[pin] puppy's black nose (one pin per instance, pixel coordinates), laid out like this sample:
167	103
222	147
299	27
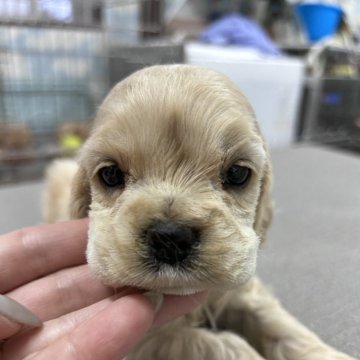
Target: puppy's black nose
171	243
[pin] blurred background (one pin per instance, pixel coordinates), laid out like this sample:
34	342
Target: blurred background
297	61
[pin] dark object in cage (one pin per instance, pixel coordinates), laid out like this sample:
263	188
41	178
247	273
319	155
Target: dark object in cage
15	137
16	142
124	60
332	113
152	18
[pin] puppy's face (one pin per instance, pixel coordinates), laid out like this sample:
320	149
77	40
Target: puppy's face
175	177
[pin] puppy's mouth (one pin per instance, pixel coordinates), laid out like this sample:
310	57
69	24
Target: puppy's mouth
165	280
175	277
180	291
127	290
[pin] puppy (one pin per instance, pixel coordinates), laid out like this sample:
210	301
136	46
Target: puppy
57	194
176	179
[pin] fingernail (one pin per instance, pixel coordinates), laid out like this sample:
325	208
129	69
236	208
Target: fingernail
156	300
16	312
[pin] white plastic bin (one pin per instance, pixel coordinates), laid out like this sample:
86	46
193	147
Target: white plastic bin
273	85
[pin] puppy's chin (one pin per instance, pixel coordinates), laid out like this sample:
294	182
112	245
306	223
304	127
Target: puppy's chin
178	291
185	290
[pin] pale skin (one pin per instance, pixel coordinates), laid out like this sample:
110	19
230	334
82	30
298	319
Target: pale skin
44	268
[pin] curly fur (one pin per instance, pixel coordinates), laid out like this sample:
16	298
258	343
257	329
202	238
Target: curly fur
174	131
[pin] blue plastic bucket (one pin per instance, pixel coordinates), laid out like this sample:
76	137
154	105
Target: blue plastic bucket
319	20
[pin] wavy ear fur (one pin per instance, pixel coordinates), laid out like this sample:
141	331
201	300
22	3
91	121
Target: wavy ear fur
80	195
264	209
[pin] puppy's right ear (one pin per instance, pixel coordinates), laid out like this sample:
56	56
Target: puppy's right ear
80	195
264	210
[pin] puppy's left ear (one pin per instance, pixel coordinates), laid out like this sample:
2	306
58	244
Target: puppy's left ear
264	209
80	195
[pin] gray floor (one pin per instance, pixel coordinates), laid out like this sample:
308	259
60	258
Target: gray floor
312	256
20	205
311	259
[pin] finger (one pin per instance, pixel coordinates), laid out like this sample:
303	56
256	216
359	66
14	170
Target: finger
62	292
13	316
130	318
52	331
8	328
106	330
175	305
36	251
35	340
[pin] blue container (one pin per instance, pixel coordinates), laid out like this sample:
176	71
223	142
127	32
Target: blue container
319	20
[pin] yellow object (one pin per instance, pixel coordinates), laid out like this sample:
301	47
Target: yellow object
71	142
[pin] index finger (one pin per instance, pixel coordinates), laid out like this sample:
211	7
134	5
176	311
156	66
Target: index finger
33	252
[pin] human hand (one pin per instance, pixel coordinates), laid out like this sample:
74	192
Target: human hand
44	268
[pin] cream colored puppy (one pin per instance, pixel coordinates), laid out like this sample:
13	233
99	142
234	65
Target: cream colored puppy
175	179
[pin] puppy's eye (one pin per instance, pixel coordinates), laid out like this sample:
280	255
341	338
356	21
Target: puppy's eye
112	176
237	175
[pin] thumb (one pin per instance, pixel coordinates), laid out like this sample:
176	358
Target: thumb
108	335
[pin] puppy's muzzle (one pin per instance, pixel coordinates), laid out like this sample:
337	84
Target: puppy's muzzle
171	243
